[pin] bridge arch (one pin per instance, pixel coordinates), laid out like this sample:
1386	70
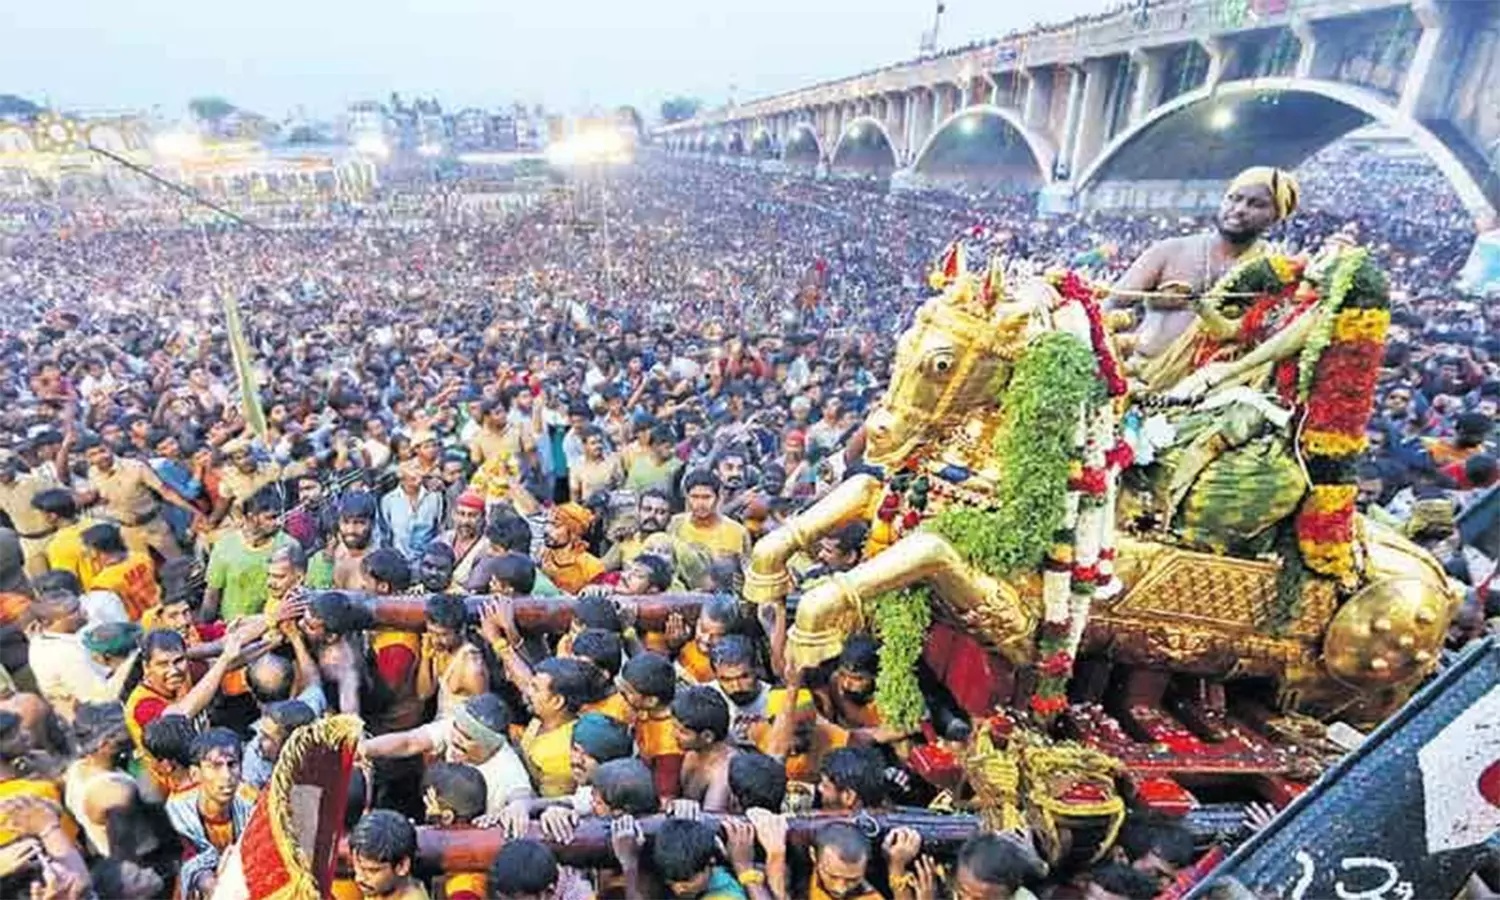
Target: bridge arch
762	144
865	144
1031	158
1212	135
802	145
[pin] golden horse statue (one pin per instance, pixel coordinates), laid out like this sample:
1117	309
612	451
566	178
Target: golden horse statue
1353	648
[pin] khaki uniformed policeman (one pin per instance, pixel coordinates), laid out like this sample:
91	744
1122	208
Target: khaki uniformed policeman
128	492
17	488
242	476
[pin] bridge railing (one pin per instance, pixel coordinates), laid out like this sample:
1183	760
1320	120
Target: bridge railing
1163	23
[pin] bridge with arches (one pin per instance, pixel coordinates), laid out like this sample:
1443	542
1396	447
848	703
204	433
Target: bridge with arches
1149	106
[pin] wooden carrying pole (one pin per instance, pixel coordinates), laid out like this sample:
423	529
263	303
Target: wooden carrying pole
534	614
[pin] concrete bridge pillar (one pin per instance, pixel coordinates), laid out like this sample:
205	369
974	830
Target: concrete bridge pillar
921	119
1076	78
1307	34
1150	66
965	94
1434	63
908	126
1038	97
1220	58
1091	125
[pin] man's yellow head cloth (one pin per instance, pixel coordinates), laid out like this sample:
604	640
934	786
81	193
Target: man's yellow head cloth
1281	184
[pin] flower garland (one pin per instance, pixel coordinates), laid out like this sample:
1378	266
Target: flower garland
900	620
1074	289
1331	382
1270	277
1081	558
1336	374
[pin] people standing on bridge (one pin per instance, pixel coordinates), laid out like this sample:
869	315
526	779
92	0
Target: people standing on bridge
1178	268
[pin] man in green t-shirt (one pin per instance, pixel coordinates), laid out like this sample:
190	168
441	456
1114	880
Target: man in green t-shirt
658	466
237	565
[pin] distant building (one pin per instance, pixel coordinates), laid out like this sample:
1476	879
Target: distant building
471	128
368	118
503	134
408	126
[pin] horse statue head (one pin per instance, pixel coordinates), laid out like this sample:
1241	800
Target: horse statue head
953	362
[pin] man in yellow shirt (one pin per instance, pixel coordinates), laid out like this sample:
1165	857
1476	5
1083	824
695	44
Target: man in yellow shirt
557	690
703	524
130	575
497	437
64	549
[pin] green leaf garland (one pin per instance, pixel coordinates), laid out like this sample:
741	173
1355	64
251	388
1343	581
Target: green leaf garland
1034	444
900	620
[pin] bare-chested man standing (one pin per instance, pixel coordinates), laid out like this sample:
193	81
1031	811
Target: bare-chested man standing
1258	198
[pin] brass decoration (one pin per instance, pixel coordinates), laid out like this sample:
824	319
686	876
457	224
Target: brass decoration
1027	779
1189	611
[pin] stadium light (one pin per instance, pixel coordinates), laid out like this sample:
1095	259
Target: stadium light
1221	118
178	145
372	145
968	124
589	148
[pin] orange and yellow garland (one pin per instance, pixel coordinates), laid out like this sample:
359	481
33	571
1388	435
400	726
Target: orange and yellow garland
1335	387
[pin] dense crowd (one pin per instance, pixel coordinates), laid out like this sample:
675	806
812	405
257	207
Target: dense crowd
510	409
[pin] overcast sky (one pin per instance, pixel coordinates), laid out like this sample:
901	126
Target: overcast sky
272	55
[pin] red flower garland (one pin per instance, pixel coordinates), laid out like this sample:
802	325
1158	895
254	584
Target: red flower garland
1338	402
1058	665
1119	457
1073	287
1326	527
1346	375
1049	705
1092	481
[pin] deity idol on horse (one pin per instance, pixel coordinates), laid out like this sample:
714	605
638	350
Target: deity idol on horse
1169	571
